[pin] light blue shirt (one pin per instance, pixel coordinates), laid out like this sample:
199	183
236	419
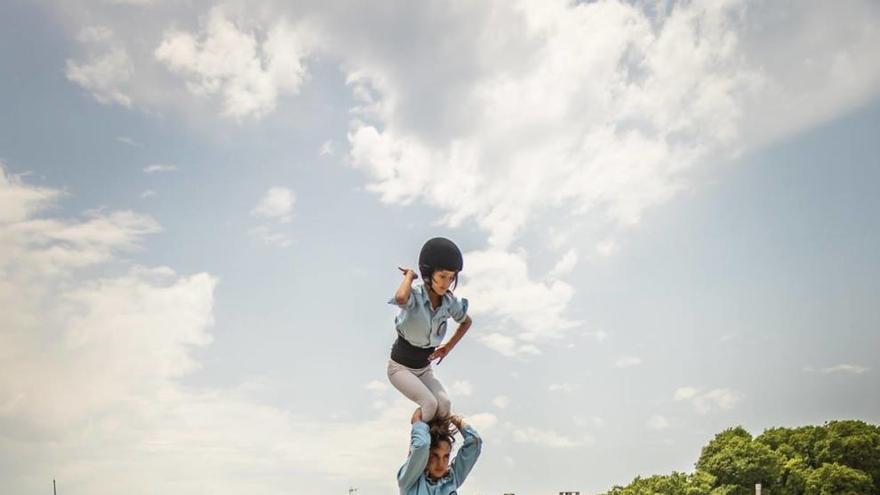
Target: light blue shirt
412	479
423	326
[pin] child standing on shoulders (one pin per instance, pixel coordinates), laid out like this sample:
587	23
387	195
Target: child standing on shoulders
421	326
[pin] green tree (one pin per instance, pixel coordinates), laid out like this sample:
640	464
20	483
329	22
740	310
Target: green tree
791	442
699	483
836	479
855	444
795	472
734	459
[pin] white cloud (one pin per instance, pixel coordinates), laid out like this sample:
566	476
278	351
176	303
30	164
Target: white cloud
276	204
106	75
95	34
159	168
113	349
508	346
326	149
547	127
271	237
376	386
548	438
529	311
482	421
721	399
683	393
462	388
226	58
627	362
565	265
562	387
610	131
18	202
129	141
845	368
606	247
149	193
501	402
657	423
599	335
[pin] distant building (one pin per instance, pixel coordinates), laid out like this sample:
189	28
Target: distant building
569	493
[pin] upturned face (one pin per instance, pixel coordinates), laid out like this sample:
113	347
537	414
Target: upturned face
441	280
438	462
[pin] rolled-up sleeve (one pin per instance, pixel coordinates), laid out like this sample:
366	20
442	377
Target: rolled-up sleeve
458	309
419	451
467	455
409	302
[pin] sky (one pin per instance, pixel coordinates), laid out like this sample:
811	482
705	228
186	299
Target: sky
668	213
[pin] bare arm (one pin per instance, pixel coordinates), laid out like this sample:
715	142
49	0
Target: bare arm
442	351
401	297
459	332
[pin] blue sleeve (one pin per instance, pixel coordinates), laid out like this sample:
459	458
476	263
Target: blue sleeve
458	309
409	302
467	455
419	451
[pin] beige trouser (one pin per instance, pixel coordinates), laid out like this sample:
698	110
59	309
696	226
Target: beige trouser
420	386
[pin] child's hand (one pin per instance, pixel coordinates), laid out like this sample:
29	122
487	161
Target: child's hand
458	421
440	353
417	416
407	271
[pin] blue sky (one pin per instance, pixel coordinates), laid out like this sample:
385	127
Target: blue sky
668	216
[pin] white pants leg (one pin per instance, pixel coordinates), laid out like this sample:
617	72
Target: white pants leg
422	387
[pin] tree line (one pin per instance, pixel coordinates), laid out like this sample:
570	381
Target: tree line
837	458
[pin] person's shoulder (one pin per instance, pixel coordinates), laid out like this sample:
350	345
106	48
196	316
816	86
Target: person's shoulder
419	289
451	297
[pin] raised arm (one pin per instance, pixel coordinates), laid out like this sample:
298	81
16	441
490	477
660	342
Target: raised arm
468	453
401	297
419	451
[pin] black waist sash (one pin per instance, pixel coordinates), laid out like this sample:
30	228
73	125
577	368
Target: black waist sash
409	355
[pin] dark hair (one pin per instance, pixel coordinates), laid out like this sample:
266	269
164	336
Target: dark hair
427	273
441	430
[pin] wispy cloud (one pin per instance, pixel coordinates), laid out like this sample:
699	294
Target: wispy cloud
276	204
129	141
158	168
108	70
627	362
562	387
376	386
721	399
508	346
461	388
501	402
852	369
326	149
271	237
549	438
657	423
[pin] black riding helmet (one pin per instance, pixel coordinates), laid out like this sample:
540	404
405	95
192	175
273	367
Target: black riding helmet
439	253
